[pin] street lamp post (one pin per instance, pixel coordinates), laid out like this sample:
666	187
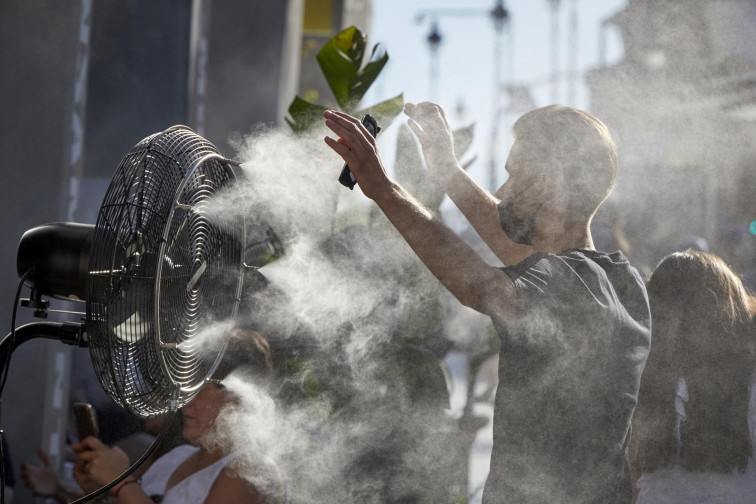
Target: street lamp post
554	4
500	17
434	40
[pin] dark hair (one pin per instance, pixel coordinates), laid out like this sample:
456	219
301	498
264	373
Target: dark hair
576	147
701	333
247	351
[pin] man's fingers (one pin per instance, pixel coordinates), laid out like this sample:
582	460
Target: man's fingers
340	148
424	111
355	136
342	127
344	120
415	127
346	138
416	112
336	115
431	109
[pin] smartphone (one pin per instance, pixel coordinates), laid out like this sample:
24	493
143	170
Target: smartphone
86	422
346	178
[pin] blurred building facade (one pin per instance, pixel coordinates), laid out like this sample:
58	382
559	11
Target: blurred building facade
682	107
83	82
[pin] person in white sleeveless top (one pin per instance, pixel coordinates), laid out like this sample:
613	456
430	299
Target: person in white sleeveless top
696	446
202	471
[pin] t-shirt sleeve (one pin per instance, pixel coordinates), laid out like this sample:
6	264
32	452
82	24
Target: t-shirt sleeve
536	327
531	276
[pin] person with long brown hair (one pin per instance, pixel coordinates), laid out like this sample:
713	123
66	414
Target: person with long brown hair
695	446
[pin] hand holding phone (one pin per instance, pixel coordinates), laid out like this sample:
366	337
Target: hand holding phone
346	178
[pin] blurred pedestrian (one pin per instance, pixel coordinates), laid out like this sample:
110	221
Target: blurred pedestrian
691	441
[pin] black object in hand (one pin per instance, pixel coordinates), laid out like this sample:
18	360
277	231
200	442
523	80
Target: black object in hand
346	178
86	423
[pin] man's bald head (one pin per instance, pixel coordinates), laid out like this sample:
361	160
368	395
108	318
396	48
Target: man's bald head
573	147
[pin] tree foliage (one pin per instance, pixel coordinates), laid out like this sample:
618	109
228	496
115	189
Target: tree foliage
341	61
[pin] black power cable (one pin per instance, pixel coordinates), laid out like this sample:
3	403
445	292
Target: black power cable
13	329
4	377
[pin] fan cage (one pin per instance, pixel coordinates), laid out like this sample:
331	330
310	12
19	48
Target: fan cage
165	272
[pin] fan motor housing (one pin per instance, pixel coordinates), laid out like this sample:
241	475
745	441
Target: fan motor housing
56	257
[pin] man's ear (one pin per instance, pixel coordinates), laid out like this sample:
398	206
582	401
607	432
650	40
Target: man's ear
552	193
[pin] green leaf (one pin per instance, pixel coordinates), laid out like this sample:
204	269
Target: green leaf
365	77
340	60
304	374
385	111
304	114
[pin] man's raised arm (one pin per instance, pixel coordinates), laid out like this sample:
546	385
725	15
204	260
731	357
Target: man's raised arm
456	265
428	122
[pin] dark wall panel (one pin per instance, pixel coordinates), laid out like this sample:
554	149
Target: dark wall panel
137	76
244	67
38	42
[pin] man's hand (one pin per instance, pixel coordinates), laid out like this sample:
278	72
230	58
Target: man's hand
428	121
357	147
96	464
470	279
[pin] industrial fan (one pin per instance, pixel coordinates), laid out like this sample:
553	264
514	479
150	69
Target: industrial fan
160	268
155	270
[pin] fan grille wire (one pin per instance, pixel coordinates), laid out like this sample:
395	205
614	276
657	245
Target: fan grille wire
149	297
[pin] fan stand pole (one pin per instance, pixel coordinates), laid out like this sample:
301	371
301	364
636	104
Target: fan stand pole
68	332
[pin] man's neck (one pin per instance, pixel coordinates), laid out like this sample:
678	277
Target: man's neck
563	235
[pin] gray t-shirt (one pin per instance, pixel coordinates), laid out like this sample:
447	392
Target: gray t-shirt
570	365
